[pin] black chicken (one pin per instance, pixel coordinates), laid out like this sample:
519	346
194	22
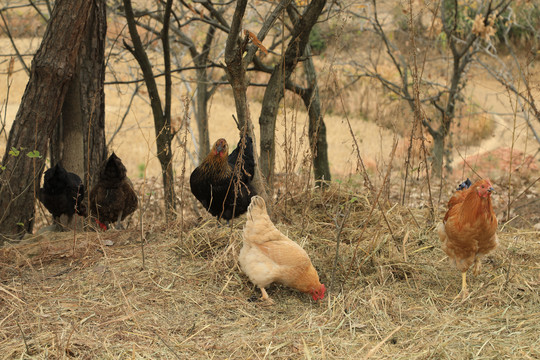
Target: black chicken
113	197
62	194
216	185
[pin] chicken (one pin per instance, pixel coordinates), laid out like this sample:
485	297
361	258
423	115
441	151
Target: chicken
224	192
113	197
464	185
268	256
62	194
469	228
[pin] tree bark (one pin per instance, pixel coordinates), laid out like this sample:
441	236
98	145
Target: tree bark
79	140
51	72
317	127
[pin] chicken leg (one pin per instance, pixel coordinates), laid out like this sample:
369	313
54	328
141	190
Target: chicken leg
265	297
57	224
477	265
119	225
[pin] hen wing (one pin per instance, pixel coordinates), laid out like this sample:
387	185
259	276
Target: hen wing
129	198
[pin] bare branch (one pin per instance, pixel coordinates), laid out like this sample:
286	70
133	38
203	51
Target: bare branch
8	33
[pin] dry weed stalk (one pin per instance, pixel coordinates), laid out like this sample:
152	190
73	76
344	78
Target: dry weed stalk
374	204
185	124
419	115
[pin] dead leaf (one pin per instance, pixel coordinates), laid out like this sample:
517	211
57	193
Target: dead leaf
256	41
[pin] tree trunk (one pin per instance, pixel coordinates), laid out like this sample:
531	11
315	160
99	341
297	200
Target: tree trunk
202	113
317	127
236	73
52	70
438	154
267	121
79	140
79	137
203	95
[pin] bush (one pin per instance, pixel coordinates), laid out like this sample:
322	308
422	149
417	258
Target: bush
317	40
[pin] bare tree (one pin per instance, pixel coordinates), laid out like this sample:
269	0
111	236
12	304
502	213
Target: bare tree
162	115
464	41
520	65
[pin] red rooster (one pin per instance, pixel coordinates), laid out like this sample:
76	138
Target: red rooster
469	228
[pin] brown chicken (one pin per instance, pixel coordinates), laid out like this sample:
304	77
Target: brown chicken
469	227
269	256
113	197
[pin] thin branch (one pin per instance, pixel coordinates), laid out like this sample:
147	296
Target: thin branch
128	108
167	60
8	33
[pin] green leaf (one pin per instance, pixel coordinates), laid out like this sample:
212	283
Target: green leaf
20	224
2	168
34	154
14	152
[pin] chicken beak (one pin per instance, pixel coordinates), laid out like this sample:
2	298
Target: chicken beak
219	148
491	190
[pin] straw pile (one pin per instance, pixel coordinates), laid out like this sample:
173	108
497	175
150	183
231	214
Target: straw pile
90	295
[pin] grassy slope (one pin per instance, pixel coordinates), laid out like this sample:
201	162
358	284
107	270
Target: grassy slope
73	296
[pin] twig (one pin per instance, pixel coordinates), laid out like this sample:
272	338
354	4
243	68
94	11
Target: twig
511	160
524	191
8	33
405	238
414	218
419	116
374	350
128	108
143	241
339	228
24	337
167	345
236	121
183	174
371	212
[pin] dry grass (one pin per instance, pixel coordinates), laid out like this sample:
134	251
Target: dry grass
82	299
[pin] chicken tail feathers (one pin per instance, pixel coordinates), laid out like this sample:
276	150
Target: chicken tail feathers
442	232
464	185
257	206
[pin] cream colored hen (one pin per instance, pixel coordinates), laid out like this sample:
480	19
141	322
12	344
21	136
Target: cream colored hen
268	256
